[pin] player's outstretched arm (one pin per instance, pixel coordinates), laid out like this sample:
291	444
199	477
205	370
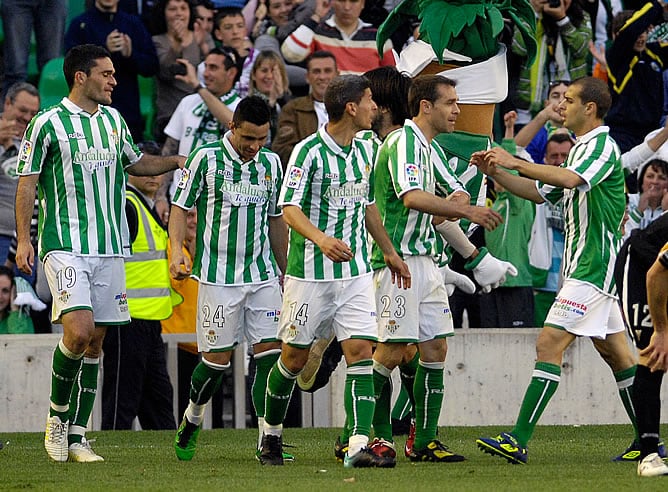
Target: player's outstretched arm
154	165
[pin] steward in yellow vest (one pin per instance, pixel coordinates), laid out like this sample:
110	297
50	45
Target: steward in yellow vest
136	382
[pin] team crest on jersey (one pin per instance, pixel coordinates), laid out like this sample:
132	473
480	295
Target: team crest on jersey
412	173
26	151
392	326
292	332
64	296
294	177
185	177
114	137
211	336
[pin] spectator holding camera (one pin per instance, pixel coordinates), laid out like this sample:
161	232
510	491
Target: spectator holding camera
131	49
563	33
175	20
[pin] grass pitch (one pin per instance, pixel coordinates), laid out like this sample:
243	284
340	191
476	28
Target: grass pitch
561	458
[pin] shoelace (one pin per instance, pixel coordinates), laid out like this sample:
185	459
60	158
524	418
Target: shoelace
56	430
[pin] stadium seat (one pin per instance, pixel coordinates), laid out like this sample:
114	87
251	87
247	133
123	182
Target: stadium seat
147	104
74	8
52	86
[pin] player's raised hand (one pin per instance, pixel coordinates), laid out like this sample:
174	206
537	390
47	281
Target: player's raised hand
478	160
499	156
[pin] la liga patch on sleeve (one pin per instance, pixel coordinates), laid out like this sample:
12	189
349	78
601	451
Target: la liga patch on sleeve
294	177
26	150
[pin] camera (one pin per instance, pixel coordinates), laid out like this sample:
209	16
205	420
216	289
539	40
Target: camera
178	69
554	4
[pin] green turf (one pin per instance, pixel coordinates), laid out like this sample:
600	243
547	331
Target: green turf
561	458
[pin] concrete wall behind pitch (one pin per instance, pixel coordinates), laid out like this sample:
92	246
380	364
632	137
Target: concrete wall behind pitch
487	372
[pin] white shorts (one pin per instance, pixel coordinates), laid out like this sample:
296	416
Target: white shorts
225	313
96	283
316	309
414	315
583	310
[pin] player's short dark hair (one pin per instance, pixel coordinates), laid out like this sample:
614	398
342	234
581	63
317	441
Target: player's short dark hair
342	90
594	90
319	55
252	109
390	90
82	58
425	88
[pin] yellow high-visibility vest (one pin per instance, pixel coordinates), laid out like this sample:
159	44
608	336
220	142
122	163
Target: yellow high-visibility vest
147	270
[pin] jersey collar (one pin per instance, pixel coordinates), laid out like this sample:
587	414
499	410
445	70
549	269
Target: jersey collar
233	153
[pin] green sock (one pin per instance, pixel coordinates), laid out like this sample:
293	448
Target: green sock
64	369
358	397
82	399
625	386
544	382
407	372
280	384
382	425
428	390
402	406
263	364
204	382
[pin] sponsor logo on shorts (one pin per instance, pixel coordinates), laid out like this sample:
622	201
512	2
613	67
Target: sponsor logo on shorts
392	326
64	296
211	337
122	299
563	306
274	314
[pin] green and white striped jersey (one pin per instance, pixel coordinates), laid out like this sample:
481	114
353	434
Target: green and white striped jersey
403	164
234	201
81	161
332	186
592	212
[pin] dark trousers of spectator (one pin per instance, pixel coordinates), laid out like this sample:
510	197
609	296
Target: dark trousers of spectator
136	382
507	307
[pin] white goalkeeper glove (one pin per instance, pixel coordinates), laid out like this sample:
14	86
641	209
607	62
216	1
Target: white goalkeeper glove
488	271
453	279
